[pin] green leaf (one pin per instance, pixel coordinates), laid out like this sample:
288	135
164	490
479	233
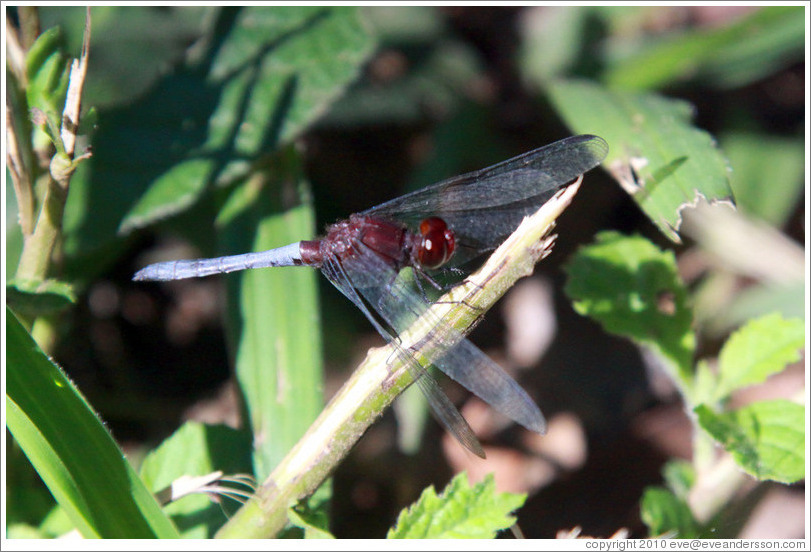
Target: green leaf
666	514
766	438
46	45
47	71
632	288
56	524
733	55
680	476
274	73
461	511
759	349
406	24
310	518
198	450
169	193
663	161
34	298
267	73
28	500
312	523
72	450
441	69
274	326
133	45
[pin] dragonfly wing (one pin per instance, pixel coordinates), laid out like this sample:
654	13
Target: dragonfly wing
470	367
444	410
399	304
484	206
448	415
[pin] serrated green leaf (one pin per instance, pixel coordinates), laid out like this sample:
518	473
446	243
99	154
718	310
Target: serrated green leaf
196	450
461	511
766	438
665	513
659	157
72	450
759	349
39	297
632	288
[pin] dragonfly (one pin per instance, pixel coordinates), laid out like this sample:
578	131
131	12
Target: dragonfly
435	232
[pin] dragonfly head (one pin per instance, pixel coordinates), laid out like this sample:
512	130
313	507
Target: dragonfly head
437	243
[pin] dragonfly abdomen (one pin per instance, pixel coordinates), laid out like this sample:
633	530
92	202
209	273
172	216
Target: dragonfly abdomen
289	255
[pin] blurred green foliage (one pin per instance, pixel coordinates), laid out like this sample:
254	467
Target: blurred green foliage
212	123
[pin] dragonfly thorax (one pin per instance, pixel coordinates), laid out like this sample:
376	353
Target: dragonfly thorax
430	248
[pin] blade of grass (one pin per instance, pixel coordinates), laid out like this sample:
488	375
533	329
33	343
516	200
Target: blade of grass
72	450
273	313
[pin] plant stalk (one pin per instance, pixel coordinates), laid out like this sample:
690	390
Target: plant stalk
382	376
39	246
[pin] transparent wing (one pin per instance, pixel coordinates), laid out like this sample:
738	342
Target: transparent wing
399	304
445	412
484	206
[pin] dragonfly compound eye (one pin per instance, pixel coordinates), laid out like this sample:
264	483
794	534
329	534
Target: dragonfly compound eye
437	244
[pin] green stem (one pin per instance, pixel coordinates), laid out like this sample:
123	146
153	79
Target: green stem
382	376
38	249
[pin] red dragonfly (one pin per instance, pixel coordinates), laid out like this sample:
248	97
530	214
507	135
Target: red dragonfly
433	232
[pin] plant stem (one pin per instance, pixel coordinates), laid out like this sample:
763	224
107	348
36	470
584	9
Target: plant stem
38	248
382	376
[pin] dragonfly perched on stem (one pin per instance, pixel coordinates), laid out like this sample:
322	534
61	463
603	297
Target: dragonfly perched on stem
433	231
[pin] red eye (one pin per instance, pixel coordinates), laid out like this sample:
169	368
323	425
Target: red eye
437	244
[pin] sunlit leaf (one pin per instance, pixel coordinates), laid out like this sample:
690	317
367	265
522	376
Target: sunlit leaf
461	511
766	438
197	450
633	289
760	348
656	154
666	514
